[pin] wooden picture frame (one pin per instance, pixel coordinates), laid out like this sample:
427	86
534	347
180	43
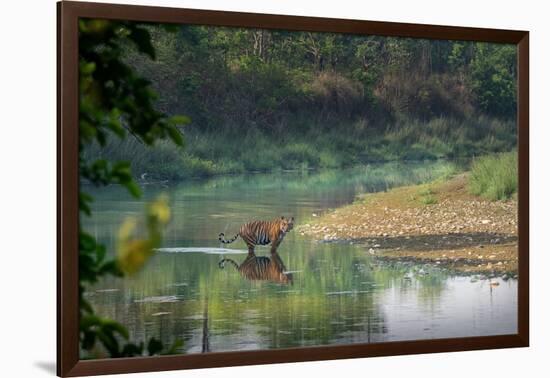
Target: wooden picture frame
68	363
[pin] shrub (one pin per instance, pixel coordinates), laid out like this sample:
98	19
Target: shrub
495	176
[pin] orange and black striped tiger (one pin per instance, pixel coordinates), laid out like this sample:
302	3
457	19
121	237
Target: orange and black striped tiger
262	233
261	268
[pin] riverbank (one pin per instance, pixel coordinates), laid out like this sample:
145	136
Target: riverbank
438	223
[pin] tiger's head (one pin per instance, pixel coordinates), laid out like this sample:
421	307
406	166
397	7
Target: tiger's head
286	225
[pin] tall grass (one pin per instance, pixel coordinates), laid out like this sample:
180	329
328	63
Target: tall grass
494	177
306	144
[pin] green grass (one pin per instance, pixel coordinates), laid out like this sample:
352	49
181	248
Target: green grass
428	200
494	177
304	145
427	195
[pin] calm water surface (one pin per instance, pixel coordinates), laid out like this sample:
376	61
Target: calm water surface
339	294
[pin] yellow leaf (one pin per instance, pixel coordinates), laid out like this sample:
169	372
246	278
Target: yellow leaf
160	210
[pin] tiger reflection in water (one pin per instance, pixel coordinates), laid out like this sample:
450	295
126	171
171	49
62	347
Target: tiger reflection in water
261	268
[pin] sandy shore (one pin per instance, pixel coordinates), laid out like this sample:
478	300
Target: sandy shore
438	223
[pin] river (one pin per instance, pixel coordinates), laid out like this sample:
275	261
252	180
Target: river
338	293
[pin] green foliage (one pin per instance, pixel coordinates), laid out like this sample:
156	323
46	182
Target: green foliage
115	102
109	333
426	196
494	177
494	78
263	100
242	78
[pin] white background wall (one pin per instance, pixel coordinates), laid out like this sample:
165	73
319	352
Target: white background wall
27	185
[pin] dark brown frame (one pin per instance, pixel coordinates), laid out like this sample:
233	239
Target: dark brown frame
68	363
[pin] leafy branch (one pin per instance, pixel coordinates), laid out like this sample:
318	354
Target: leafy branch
115	101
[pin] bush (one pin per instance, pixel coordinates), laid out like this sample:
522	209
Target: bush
335	93
494	177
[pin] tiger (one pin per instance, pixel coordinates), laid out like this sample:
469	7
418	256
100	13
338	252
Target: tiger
261	268
262	233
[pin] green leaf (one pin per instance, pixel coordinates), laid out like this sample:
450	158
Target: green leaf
86	68
86	242
83	201
131	350
109	342
88	340
179	120
154	346
175	135
100	252
85	306
110	267
133	188
89	321
174	347
87	131
113	326
142	39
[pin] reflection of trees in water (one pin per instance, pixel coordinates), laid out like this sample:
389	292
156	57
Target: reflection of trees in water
371	177
304	313
334	299
425	284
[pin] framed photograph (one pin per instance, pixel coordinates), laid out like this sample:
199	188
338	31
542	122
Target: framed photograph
238	188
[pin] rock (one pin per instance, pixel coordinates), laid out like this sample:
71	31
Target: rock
485	221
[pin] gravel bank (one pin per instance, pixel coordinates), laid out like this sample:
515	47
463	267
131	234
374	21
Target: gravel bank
436	223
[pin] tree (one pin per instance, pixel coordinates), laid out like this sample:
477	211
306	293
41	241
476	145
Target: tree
494	78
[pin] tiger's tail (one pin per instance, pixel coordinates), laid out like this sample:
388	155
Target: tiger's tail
221	238
221	264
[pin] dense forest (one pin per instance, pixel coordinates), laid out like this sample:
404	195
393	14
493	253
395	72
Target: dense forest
260	100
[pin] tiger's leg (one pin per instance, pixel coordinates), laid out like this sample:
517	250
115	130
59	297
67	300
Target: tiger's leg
250	242
274	245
